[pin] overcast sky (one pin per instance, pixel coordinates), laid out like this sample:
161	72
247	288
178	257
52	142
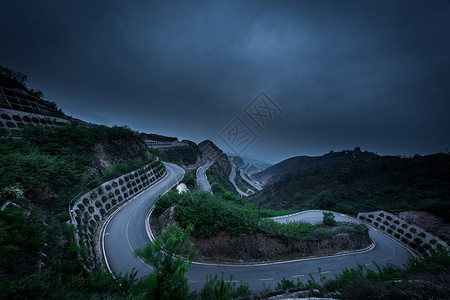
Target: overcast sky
340	74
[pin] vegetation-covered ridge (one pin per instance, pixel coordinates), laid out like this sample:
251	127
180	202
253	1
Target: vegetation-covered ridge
224	225
220	170
381	183
298	164
41	170
182	155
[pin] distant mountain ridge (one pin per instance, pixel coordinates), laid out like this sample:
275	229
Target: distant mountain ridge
249	165
303	163
352	182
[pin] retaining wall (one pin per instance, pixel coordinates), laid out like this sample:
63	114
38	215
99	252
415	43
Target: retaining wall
90	209
409	234
14	119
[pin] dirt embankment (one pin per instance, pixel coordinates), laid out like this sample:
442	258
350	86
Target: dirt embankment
259	247
252	248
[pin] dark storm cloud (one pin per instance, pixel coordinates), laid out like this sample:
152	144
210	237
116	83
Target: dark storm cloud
346	73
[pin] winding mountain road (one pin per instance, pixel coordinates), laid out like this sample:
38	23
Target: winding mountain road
233	176
249	181
202	180
126	231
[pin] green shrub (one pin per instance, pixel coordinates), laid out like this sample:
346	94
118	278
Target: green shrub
219	289
289	232
286	285
209	215
165	202
328	219
323	200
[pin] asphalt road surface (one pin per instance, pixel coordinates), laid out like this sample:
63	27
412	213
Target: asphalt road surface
249	181
202	180
233	176
126	232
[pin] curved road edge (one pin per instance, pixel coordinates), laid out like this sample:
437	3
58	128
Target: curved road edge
202	179
346	216
339	254
119	208
232	176
257	276
147	218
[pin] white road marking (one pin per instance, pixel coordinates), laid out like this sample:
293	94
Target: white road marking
129	244
393	250
128	240
301	275
325	272
266	279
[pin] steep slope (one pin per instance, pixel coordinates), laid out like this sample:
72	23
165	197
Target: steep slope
220	170
384	182
249	165
304	163
158	137
41	169
187	156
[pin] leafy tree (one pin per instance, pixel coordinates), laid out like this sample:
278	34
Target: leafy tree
323	200
190	180
209	214
328	219
170	254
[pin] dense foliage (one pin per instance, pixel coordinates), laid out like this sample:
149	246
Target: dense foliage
328	219
209	214
54	164
384	182
190	180
219	172
185	155
41	170
39	259
222	211
166	254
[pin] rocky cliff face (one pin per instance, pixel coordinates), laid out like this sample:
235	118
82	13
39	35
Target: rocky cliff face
221	168
119	151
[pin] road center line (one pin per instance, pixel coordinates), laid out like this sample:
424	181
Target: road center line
393	250
129	244
301	275
128	240
325	272
266	279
